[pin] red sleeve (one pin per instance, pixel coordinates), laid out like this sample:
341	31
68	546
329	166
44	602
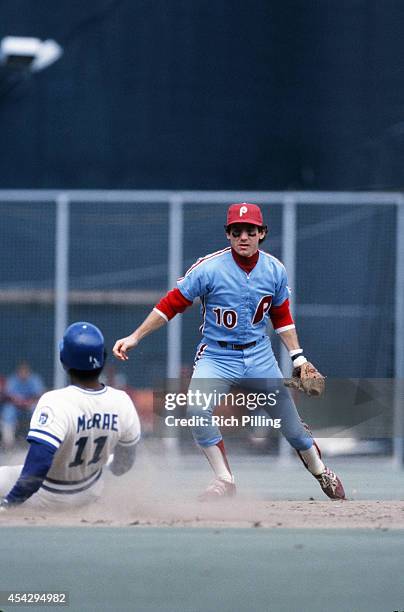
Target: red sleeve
281	316
172	303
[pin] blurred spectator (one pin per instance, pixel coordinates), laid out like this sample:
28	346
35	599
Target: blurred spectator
142	398
21	392
113	378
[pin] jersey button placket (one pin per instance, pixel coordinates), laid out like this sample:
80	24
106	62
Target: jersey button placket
247	309
243	315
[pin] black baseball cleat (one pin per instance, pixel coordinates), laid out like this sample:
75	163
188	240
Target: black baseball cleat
217	490
331	484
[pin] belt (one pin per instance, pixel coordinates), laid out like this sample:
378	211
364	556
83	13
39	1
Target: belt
236	347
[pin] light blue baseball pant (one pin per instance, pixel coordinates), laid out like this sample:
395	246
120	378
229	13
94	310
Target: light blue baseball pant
255	368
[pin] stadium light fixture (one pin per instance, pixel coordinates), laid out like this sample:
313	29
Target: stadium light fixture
28	54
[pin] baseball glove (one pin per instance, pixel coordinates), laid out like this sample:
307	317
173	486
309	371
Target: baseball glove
307	378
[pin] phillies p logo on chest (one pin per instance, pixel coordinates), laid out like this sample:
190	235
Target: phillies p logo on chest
263	306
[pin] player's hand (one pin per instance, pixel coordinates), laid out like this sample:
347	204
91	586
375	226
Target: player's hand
307	379
122	346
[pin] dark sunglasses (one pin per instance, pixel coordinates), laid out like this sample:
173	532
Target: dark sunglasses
236	233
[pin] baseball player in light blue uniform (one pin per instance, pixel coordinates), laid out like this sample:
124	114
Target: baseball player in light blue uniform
241	288
244	324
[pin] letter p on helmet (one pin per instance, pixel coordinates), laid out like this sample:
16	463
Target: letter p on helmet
243	210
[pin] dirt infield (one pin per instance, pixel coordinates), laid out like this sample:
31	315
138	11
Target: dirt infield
162	491
383	515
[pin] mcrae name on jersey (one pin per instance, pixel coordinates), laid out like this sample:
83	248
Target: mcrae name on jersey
100	421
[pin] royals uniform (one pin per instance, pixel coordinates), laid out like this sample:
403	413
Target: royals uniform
83	427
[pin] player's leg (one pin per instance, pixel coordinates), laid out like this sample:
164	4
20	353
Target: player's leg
293	429
55	502
300	438
8	477
262	374
207	435
46	500
211	380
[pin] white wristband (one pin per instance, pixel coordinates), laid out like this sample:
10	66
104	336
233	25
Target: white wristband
299	361
294	352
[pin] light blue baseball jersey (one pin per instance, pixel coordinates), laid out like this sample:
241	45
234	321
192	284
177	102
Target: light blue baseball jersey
235	305
235	309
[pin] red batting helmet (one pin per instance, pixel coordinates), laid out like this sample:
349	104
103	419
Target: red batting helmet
245	213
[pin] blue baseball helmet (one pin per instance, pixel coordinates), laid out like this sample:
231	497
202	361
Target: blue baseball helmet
82	347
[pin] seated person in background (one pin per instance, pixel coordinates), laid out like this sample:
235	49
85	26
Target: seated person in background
111	377
22	391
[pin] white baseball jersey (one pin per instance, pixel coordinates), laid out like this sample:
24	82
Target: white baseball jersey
84	426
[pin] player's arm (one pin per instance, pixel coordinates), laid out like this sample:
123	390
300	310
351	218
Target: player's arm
125	450
36	466
124	458
152	322
46	433
305	376
170	305
290	339
193	284
284	326
282	320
